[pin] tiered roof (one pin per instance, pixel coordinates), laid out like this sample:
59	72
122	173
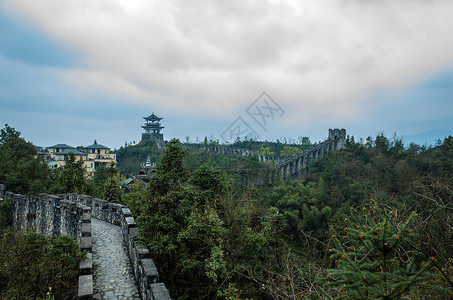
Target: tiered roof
152	118
152	122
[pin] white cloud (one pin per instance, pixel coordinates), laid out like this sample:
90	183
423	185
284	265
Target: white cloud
319	59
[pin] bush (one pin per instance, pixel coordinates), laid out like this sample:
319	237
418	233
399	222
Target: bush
35	266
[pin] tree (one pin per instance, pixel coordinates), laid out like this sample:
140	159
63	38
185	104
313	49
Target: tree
209	179
8	134
266	151
73	174
170	171
96	188
111	188
20	169
289	151
181	226
33	266
378	256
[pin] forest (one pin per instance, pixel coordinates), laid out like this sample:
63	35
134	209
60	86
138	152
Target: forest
371	221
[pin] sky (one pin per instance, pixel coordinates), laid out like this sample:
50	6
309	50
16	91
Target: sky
76	71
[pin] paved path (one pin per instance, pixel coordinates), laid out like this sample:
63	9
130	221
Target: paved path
112	273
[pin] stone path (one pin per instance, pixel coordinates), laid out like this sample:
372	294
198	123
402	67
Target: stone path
112	273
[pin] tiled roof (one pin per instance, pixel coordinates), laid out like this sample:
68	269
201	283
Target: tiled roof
62	146
97	146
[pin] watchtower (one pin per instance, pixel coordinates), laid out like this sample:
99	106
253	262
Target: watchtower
152	130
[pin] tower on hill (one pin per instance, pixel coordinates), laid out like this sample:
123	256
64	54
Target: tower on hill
152	130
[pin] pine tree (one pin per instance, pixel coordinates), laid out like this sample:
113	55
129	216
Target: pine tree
379	256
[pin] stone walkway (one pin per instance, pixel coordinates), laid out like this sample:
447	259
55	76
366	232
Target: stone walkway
112	274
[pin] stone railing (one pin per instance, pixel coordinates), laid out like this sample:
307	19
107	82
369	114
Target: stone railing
71	214
143	266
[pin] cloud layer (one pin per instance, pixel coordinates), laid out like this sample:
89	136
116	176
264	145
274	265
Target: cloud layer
321	60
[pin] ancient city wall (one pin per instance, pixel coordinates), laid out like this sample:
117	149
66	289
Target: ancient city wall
293	167
145	270
54	215
297	166
228	150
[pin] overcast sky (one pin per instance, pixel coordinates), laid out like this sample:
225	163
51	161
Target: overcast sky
77	70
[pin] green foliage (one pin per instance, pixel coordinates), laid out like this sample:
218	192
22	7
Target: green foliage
111	188
72	177
209	179
97	182
130	158
6	216
20	170
8	134
34	266
266	151
201	236
289	151
278	148
379	256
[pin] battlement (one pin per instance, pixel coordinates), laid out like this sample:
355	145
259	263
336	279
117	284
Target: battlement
337	134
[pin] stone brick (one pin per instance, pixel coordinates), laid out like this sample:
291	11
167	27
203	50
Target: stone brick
159	291
86	266
85	287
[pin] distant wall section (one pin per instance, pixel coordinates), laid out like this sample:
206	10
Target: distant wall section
295	166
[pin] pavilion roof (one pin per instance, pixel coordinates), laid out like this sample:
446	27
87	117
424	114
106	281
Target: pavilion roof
152	117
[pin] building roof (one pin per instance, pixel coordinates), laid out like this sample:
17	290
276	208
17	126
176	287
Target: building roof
66	152
127	181
152	117
61	146
97	146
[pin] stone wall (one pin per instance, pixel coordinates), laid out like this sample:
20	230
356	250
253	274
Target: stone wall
228	150
145	270
71	214
47	214
297	166
52	216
